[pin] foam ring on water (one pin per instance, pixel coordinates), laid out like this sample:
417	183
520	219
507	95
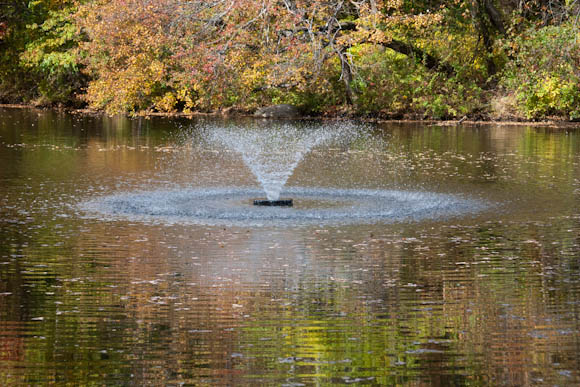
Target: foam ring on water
220	206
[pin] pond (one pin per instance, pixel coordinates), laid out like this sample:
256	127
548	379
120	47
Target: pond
414	254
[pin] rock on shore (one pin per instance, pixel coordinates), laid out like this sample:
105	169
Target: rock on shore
278	111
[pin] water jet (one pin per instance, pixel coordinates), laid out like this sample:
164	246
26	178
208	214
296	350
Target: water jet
272	153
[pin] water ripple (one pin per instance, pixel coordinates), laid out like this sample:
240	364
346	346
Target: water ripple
312	205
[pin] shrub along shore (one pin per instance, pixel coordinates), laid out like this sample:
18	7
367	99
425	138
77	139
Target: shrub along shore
394	59
554	122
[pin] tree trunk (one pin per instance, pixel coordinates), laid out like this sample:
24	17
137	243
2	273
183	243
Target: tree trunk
488	21
430	61
346	75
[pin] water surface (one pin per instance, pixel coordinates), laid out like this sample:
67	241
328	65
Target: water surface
481	296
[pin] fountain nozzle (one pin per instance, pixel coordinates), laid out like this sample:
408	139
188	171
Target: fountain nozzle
273	203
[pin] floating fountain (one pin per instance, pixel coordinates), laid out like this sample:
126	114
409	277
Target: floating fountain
274	203
272	154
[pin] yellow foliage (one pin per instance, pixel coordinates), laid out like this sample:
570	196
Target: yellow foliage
147	55
166	103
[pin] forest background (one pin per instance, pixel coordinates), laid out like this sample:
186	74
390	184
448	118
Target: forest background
484	59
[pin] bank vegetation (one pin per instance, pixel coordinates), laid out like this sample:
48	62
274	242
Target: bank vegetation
482	59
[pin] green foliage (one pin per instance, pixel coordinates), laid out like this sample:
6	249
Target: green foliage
52	57
38	62
392	84
13	39
544	74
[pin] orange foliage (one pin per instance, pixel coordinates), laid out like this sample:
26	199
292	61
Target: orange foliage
205	55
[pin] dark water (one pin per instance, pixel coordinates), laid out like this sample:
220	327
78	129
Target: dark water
480	297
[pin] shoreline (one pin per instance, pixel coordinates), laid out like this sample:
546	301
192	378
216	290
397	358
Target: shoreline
549	123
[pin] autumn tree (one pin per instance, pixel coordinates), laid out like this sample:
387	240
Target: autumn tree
425	58
204	55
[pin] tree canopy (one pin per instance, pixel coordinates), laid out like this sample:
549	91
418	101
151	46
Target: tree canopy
391	58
